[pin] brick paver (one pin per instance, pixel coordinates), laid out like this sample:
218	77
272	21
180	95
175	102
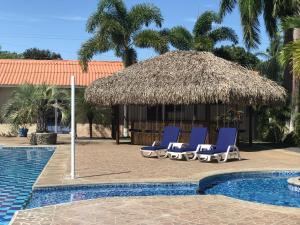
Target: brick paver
105	162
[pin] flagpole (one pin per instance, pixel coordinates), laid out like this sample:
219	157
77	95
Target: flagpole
72	127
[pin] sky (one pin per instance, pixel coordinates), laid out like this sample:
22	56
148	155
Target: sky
59	25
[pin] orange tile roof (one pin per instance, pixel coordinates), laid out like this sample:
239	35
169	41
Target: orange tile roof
53	72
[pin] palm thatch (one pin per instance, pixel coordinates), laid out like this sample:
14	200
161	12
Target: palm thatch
185	77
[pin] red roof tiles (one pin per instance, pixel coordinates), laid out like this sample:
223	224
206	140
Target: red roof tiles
53	72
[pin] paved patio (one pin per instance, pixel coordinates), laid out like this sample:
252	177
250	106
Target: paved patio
104	162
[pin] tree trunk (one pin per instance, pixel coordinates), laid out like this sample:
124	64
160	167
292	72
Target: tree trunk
292	85
90	117
41	124
91	129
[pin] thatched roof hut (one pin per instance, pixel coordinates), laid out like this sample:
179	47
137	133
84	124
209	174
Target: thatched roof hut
185	77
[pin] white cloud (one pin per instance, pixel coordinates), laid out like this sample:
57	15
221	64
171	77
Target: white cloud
70	18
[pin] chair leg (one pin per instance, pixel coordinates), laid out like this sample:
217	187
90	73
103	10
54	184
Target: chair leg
161	156
186	156
195	156
148	155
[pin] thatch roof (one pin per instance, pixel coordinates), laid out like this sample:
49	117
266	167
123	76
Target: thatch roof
185	77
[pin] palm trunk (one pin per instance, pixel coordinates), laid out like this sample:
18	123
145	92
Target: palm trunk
41	123
292	83
90	118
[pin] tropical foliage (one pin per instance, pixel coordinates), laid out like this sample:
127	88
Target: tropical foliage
291	52
238	55
271	123
203	38
271	66
250	11
31	53
114	27
32	104
9	55
91	112
40	54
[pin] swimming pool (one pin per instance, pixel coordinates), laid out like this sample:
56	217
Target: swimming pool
19	169
55	195
262	187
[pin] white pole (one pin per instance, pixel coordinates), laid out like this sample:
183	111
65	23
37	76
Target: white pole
125	125
72	127
56	115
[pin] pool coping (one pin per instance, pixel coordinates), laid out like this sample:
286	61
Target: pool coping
167	182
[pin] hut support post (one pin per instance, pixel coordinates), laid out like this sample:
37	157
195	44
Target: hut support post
113	127
116	128
250	110
207	119
125	128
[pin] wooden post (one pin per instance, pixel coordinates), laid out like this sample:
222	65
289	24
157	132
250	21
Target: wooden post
207	119
250	110
113	124
117	122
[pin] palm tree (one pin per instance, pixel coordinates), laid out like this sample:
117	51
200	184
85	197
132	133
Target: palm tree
203	38
90	111
32	104
272	11
271	67
291	52
114	28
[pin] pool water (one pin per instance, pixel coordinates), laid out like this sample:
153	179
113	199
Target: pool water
19	169
269	188
56	195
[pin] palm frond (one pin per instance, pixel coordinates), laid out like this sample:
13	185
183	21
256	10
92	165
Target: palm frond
226	6
290	54
204	23
91	47
250	11
203	43
269	17
113	7
152	39
144	14
180	38
224	34
290	23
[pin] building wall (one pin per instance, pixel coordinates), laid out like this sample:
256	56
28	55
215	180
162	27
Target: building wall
5	93
82	125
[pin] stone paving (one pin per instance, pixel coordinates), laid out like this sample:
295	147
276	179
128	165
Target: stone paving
188	210
104	162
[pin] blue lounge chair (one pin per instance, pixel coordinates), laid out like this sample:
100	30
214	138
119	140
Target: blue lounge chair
224	149
159	149
189	150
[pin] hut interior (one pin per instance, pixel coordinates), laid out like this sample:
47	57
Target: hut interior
146	123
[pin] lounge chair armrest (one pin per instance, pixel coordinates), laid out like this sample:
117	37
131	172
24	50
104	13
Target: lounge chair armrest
170	146
204	147
179	145
156	143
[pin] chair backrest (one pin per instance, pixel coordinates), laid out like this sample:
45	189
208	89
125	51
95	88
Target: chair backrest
226	137
198	136
170	134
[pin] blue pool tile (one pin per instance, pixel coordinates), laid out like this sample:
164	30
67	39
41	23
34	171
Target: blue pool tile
263	187
19	168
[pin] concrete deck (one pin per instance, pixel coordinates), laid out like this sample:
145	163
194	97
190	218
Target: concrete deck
105	162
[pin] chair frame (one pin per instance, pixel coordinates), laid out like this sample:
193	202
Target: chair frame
161	153
231	152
